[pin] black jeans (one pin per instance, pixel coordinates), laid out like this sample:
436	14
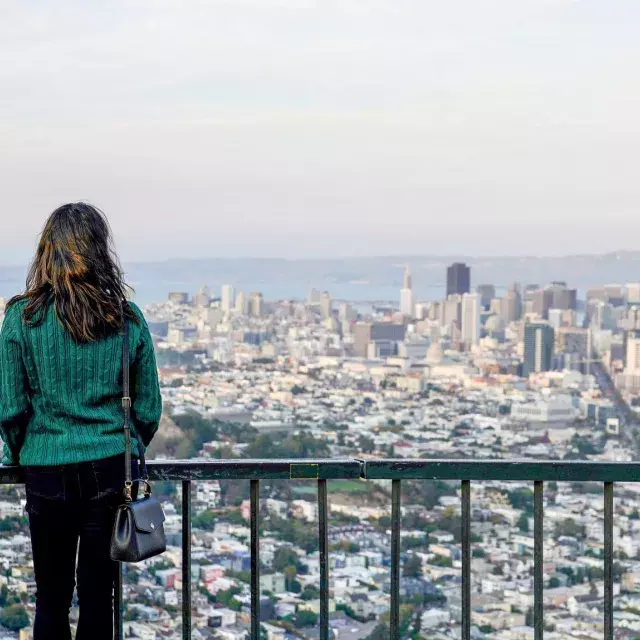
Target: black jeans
68	505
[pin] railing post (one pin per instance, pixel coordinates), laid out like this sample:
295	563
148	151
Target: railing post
186	560
394	621
324	559
538	559
466	560
255	561
608	560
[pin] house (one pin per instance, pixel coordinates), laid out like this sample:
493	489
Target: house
273	582
360	604
232	633
433	618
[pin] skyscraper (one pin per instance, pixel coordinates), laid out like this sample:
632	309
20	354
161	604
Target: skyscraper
633	352
241	303
406	295
458	279
538	348
228	298
326	305
487	294
366	333
470	334
561	296
256	305
511	306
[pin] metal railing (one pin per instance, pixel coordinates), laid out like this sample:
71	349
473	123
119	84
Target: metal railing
321	471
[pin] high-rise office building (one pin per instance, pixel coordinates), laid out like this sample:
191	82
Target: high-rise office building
257	304
561	296
452	311
203	297
487	293
458	279
313	299
346	312
242	305
540	302
227	298
406	295
511	307
470	330
370	332
633	292
538	348
633	352
326	305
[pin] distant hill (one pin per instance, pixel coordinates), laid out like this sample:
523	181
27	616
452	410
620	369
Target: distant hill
374	278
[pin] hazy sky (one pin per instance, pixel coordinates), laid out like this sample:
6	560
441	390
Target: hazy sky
328	127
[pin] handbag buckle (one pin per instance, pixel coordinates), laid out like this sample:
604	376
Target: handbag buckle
127	490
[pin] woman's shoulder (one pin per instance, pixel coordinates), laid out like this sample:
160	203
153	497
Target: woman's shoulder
13	313
17	303
138	313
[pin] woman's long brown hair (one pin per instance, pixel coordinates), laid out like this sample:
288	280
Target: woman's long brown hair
76	269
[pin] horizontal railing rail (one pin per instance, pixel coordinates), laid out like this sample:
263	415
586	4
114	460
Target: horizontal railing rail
321	470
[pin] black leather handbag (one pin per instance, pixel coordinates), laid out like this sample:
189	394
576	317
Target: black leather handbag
138	530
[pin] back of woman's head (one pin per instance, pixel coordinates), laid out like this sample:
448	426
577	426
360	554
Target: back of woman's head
76	269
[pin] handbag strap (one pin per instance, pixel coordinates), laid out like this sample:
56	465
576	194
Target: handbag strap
126	405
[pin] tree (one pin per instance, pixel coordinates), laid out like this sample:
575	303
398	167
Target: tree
523	523
413	567
305	619
310	593
14	617
554	583
528	618
284	557
206	520
571	528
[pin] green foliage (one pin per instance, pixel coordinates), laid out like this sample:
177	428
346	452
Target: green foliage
521	499
554	583
570	527
205	520
310	593
14	617
295	446
4	595
227	598
305	619
300	534
13	523
523	523
285	557
413	567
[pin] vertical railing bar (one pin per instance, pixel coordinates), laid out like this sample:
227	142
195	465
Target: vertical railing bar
324	559
608	560
118	604
255	561
538	559
466	559
186	560
395	560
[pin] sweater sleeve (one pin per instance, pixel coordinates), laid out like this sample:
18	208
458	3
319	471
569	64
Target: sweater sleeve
15	399
146	402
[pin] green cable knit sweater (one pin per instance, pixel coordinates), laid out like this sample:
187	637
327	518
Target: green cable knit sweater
60	402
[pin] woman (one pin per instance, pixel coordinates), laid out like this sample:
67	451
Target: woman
61	413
